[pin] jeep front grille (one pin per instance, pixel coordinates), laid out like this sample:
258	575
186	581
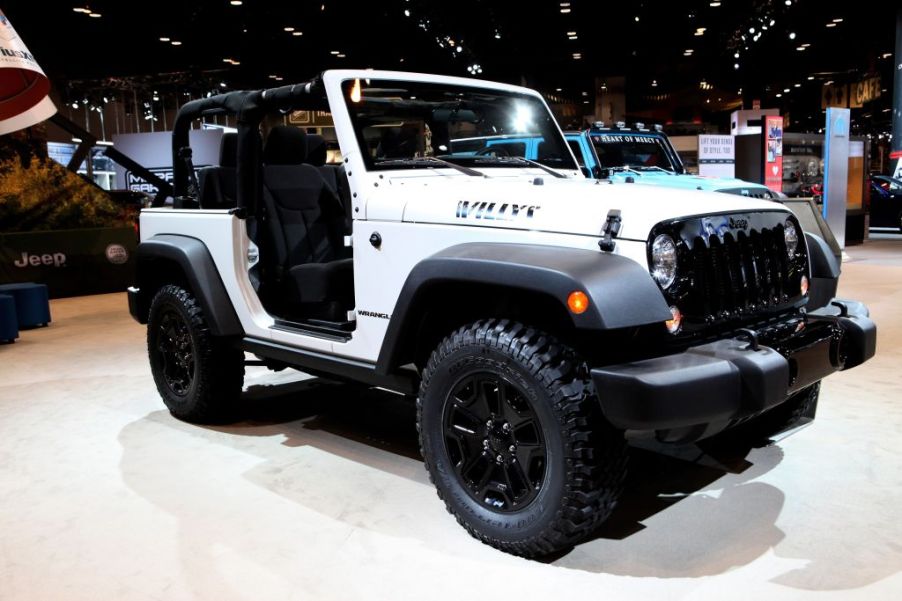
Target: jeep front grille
733	269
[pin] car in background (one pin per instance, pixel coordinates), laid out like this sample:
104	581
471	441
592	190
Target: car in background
886	201
646	156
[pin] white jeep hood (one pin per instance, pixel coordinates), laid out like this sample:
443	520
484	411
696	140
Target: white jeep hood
570	206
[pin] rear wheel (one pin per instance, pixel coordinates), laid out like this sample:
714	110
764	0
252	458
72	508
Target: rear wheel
198	375
513	439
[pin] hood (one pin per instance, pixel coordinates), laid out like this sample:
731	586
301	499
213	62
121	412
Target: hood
685	181
545	203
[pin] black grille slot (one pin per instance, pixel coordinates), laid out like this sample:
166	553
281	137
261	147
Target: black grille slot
739	273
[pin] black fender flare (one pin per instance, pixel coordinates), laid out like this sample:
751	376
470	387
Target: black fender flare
621	292
200	272
825	271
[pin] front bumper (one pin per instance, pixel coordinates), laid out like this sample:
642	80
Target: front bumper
722	382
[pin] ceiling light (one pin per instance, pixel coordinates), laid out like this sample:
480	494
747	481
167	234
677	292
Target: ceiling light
797	85
736	55
837	20
572	37
565	10
95	15
297	33
175	43
336	52
805	45
164	39
637	18
235	2
406	13
714	4
571	33
792	35
831	24
779	95
786	90
811	78
736	66
82	10
800	48
289	29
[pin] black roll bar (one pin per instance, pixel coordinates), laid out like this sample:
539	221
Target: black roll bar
249	108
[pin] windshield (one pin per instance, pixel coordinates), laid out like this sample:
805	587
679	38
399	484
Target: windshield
633	151
400	123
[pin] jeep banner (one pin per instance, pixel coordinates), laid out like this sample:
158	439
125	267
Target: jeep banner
70	262
24	86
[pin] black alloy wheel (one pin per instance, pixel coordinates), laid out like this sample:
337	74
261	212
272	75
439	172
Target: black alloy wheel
495	442
176	352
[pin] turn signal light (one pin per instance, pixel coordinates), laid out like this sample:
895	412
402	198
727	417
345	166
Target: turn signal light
674	325
803	286
578	302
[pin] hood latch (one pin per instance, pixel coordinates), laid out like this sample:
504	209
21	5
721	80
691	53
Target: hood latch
610	231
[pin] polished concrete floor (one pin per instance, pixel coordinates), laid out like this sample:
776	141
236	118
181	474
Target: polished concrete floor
320	492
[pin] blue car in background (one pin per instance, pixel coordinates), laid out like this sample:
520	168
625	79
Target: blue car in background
646	156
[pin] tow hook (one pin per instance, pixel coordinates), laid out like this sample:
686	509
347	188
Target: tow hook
752	337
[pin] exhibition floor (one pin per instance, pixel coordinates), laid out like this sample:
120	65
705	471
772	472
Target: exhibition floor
320	493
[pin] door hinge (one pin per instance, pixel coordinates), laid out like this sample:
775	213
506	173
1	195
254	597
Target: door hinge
610	231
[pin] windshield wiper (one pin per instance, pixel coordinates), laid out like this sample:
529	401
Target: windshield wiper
434	160
523	161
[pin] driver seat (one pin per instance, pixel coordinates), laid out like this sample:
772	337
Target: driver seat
305	221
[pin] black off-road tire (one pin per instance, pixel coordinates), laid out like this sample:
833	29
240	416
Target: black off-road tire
199	376
586	458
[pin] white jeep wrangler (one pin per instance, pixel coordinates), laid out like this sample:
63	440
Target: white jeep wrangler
538	317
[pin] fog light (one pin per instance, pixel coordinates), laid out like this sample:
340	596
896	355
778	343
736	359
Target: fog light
803	286
578	302
674	325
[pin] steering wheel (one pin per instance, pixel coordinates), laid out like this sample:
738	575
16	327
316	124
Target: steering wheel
496	151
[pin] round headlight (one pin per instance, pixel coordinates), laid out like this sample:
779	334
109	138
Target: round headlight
663	260
791	235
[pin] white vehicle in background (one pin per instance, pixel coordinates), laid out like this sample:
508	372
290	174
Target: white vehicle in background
536	316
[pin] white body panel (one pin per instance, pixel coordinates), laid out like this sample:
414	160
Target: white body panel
419	213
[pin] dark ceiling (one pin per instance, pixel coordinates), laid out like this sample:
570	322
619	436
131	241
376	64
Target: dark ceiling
520	42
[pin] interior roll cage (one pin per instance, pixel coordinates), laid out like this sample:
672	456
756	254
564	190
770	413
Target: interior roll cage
249	108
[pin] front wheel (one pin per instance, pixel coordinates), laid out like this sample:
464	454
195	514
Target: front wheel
512	436
198	375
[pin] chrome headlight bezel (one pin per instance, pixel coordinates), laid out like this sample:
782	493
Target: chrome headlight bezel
664	261
791	238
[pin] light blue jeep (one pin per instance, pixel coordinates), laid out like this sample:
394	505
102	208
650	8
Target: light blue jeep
646	156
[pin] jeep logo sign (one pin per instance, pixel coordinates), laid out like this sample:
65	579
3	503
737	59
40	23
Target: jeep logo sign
70	262
28	260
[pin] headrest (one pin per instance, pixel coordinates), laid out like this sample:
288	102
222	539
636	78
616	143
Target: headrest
228	150
285	145
316	150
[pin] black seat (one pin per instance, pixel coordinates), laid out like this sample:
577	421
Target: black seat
305	222
219	185
334	175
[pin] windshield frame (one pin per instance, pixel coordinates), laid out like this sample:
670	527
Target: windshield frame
569	164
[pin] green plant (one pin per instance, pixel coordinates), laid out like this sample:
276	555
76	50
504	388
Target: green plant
47	196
